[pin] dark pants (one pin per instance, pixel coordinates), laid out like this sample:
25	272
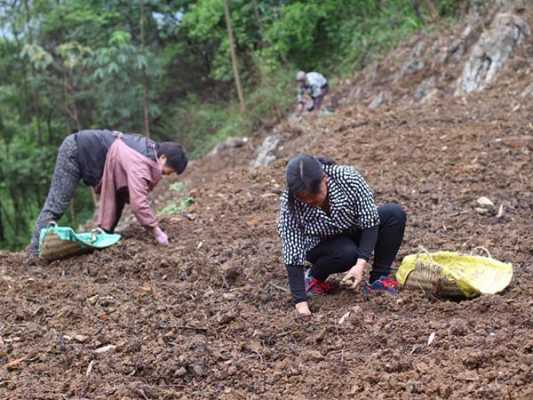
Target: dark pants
317	101
340	253
66	177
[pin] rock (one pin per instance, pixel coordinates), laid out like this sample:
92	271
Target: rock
266	152
457	49
491	52
426	90
377	101
230	143
105	349
485	206
414	62
180	372
485	202
481	7
80	338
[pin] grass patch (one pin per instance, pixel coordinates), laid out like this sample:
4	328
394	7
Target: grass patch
177	207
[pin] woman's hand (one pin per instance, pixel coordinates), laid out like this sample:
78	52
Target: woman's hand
160	236
355	274
303	309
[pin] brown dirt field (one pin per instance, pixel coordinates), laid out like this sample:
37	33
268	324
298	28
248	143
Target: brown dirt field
210	317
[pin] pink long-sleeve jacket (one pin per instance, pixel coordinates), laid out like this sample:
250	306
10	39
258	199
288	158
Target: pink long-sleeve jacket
126	169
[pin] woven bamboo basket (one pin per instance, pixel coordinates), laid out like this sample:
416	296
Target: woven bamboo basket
56	242
431	278
53	248
455	275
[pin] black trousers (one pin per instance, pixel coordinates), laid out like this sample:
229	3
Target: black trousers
340	253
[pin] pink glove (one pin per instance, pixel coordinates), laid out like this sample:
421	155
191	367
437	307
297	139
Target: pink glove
160	236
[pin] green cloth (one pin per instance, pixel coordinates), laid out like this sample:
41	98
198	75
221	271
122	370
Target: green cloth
96	239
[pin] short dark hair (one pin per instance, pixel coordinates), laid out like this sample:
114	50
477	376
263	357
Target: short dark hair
175	154
304	175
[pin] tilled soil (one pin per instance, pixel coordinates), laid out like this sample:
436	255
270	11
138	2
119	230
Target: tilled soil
210	317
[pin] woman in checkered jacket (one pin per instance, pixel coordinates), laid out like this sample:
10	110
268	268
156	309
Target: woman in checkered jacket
328	220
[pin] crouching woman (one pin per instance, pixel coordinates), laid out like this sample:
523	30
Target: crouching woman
328	219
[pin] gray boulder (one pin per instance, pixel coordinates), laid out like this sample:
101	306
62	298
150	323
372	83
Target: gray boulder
414	62
491	52
378	101
266	153
426	90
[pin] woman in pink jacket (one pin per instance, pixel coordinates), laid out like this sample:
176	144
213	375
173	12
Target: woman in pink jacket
123	168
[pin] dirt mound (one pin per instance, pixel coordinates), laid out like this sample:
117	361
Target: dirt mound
210	316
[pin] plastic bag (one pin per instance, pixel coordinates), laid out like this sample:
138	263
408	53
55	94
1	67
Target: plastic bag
57	242
451	274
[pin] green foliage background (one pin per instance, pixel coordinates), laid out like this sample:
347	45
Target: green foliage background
81	64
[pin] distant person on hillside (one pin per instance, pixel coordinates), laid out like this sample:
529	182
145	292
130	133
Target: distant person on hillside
314	85
328	220
122	168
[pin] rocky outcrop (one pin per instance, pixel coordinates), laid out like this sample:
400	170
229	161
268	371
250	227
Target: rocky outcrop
426	90
415	61
377	101
266	152
490	54
455	52
482	7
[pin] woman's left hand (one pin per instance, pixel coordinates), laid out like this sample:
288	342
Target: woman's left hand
355	273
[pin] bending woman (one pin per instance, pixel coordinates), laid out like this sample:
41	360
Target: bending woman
328	219
123	168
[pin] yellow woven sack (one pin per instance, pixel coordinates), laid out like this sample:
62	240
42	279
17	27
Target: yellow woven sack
451	274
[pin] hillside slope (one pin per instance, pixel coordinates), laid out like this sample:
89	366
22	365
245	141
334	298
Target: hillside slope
210	317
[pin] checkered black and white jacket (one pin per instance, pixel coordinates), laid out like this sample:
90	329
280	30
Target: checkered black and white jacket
351	204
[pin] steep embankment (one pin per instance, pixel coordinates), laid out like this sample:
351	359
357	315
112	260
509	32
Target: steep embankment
209	316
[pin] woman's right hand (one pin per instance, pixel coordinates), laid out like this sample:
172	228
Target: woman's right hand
355	275
160	236
303	309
